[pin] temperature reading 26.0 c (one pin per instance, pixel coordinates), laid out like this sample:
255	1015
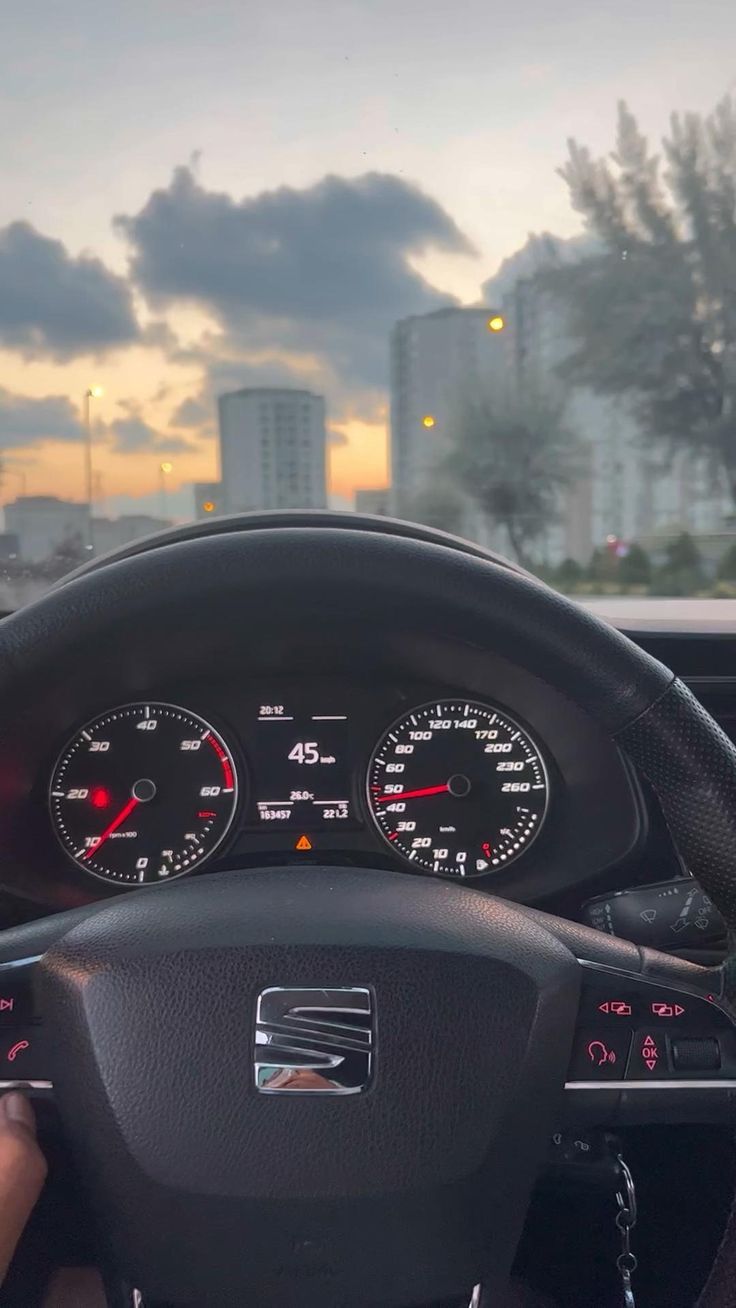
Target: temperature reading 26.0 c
458	788
143	793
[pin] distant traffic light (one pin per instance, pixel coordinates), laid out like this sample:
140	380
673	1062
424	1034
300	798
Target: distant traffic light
209	506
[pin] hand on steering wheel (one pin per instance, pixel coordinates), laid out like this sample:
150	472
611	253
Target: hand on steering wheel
22	1172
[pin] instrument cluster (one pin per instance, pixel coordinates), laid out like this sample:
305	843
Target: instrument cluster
149	791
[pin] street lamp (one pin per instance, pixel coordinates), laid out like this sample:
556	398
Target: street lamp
428	420
91	393
496	322
163	471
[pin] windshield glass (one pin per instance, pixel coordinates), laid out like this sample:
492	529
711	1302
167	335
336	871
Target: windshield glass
471	265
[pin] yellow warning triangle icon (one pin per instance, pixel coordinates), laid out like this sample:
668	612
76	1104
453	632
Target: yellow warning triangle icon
303	843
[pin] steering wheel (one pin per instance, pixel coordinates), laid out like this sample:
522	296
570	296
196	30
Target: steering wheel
469	1012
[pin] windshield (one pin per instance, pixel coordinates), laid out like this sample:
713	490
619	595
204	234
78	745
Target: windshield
467	264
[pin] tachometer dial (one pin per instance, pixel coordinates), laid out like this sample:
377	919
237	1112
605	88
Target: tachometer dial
143	794
458	788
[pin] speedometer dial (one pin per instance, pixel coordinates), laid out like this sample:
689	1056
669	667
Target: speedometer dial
458	788
143	793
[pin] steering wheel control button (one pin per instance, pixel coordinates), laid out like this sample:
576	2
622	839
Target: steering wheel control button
648	1056
696	1054
21	1055
16	1001
600	1054
667	1008
616	1008
613	1004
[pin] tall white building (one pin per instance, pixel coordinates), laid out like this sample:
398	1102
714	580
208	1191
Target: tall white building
436	359
628	487
272	449
45	523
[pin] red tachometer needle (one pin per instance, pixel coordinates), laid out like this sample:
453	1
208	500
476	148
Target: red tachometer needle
116	822
413	794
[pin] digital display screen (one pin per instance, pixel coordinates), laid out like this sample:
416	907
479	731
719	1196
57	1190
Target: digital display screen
302	778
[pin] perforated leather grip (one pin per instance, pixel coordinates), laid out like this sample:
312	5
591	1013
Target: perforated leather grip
691	764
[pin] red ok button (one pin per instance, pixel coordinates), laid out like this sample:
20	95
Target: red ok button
648	1058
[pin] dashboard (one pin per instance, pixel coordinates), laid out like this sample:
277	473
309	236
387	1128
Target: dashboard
486	773
147	792
350	735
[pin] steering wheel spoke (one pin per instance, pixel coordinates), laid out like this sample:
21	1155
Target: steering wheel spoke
650	1050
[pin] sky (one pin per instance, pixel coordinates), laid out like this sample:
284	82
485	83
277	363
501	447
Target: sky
196	197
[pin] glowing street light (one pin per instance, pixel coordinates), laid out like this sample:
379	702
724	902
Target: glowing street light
163	471
428	420
496	322
208	506
91	393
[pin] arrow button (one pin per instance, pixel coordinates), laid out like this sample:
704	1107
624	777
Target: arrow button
648	1057
15	1003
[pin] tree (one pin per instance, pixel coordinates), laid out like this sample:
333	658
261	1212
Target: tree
513	459
602	566
682	572
568	574
727	565
438	505
635	568
652	308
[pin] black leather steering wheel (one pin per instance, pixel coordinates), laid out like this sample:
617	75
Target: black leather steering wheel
212	1193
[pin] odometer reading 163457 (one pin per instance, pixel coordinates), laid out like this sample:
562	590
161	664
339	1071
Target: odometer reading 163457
143	794
458	788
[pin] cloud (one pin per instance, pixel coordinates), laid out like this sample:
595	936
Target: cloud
54	305
25	420
540	252
132	434
192	412
228	364
323	271
335	437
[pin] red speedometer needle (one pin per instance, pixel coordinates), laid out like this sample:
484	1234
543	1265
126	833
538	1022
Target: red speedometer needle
413	794
116	822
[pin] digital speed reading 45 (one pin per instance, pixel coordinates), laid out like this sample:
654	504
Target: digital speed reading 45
303	776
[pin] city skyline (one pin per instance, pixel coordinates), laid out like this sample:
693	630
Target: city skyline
178	189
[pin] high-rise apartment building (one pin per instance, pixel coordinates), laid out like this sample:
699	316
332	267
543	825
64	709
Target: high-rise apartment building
272	449
437	361
627	487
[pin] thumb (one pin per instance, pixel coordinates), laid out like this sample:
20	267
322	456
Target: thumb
22	1172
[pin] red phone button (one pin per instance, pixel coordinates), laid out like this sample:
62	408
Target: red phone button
22	1055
